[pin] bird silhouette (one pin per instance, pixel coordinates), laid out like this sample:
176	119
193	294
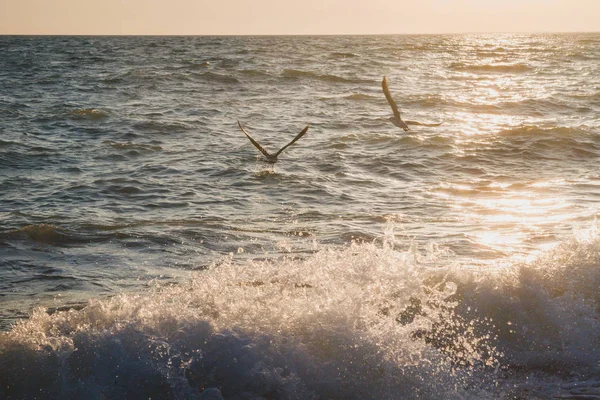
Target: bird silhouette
272	158
396	119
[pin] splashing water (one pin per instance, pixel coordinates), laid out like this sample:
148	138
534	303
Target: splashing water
367	321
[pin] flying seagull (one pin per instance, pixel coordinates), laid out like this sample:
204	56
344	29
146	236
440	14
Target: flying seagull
396	119
272	158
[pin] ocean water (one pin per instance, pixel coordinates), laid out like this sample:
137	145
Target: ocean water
148	251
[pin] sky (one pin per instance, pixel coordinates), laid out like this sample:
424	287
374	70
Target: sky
285	17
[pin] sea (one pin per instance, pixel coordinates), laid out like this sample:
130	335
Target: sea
148	251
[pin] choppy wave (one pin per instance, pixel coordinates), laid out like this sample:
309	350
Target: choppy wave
196	65
366	321
296	73
341	54
271	330
361	96
88	113
162	126
41	233
495	68
541	143
539	131
215	77
47	234
134	146
527	107
258	73
9	143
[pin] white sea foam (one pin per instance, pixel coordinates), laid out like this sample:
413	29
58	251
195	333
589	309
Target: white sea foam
364	321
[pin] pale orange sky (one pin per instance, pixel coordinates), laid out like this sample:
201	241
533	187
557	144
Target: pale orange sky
251	17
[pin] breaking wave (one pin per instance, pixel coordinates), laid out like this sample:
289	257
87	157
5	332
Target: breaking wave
365	321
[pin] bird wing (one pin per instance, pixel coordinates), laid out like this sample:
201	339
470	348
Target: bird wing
388	96
421	123
293	140
255	143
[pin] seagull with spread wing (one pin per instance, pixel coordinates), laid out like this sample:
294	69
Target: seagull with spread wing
272	158
396	119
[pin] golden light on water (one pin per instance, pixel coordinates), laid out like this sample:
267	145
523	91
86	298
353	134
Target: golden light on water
509	213
498	240
509	217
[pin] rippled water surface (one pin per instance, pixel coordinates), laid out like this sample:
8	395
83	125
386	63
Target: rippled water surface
122	168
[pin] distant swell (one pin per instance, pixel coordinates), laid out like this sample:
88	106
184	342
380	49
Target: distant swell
294	73
496	68
42	233
342	55
164	127
256	73
360	96
7	143
133	146
546	142
195	66
543	132
88	113
212	76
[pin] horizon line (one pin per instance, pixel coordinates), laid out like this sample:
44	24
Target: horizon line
295	34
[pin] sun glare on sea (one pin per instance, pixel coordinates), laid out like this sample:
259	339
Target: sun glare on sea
508	217
496	84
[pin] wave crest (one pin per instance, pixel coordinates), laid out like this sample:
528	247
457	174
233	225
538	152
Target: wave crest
212	76
88	113
360	96
337	324
543	132
494	68
296	73
342	54
41	233
363	321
